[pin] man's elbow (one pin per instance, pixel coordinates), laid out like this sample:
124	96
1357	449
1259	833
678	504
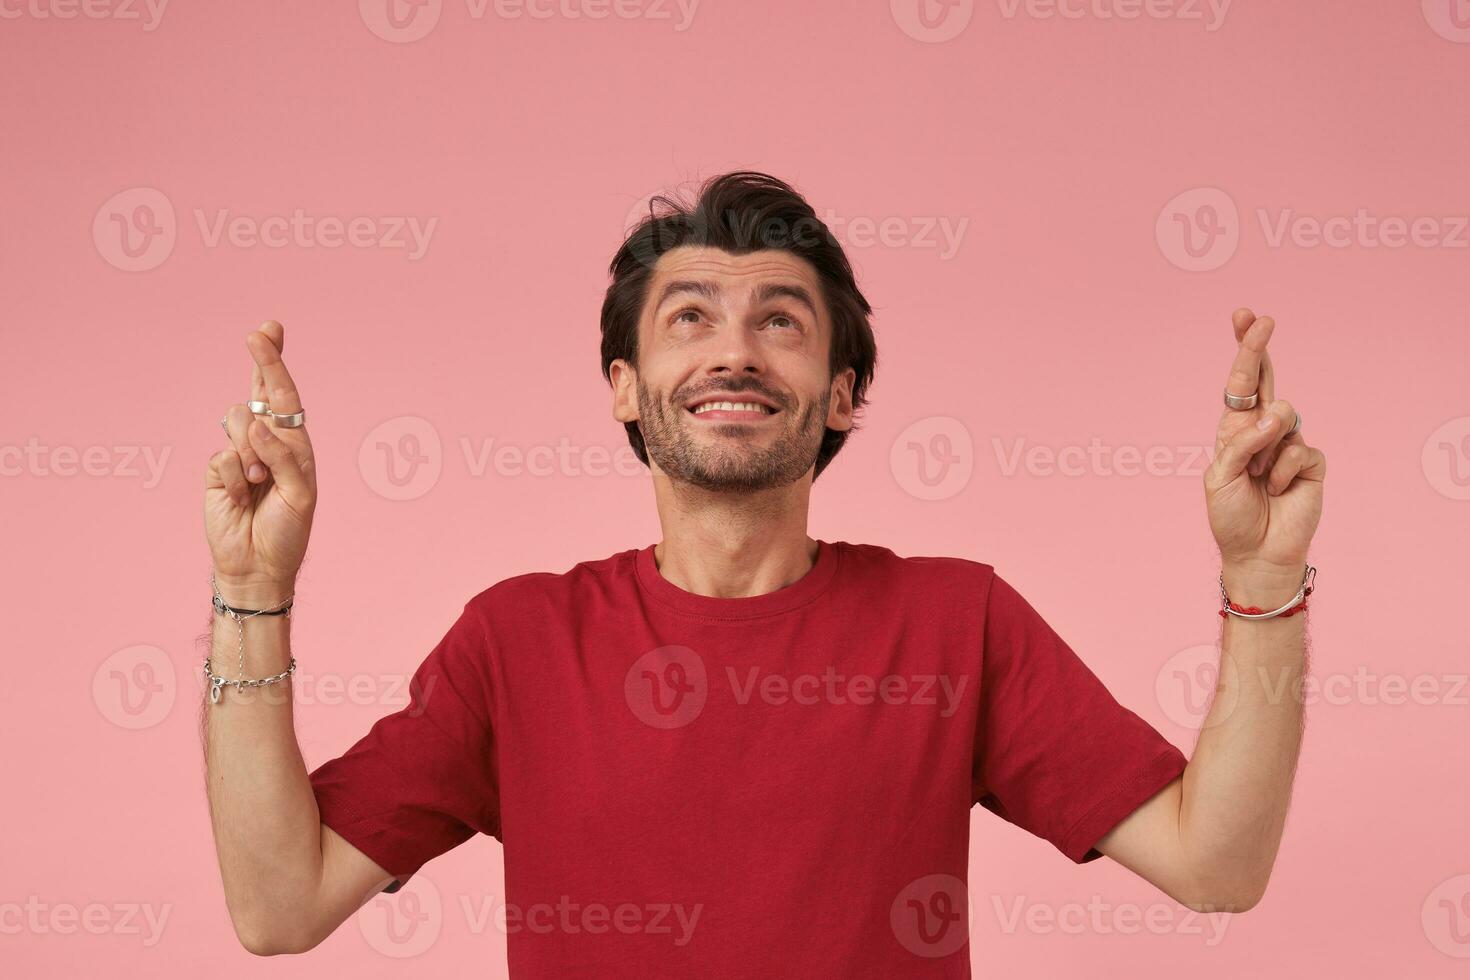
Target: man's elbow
1231	906
1239	896
262	940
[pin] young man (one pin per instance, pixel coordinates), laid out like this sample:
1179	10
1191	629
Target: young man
742	751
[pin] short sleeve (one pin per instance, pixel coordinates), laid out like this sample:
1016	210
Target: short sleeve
423	780
1055	753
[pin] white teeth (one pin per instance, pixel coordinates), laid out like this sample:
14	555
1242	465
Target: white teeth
732	407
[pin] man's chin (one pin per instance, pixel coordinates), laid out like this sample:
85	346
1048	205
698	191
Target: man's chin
753	430
739	475
736	482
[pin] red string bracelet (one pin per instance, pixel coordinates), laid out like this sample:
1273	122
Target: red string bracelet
1298	603
1257	610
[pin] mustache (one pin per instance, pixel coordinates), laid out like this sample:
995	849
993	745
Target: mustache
733	387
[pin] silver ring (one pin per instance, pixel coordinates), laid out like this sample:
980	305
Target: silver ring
224	423
1295	427
259	408
294	420
1242	402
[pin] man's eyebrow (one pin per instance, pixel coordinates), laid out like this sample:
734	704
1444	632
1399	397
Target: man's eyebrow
711	292
699	287
792	291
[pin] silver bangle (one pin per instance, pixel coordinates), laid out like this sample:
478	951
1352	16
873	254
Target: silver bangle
1308	579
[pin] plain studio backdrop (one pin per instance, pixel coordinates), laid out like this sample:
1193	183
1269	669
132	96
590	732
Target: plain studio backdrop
1053	206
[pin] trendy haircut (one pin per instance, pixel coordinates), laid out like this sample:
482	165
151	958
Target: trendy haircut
741	212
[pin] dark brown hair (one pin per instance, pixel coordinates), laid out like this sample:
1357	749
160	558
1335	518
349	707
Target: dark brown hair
741	212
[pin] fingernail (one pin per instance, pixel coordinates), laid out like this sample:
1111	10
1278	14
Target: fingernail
257	472
1266	422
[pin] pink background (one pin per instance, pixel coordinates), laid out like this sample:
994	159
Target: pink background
1072	152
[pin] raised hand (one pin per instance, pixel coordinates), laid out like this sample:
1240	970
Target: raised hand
1263	491
260	492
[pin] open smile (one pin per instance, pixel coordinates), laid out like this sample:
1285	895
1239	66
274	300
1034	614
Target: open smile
738	408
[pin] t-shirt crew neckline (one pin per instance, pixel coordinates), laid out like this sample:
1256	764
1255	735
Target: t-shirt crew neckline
785	599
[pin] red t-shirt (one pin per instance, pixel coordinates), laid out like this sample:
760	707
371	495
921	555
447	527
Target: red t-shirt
772	786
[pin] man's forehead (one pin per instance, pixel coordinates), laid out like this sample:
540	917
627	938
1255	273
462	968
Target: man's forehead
689	261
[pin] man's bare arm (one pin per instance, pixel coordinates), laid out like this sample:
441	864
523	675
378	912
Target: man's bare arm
289	881
1210	838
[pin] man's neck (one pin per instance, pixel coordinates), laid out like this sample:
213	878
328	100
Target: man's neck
733	545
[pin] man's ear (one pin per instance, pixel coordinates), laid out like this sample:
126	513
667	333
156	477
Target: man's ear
624	378
839	413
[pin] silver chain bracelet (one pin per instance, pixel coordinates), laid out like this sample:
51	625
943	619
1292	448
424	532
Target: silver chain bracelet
216	682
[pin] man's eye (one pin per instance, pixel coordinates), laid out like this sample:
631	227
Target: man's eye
782	321
679	317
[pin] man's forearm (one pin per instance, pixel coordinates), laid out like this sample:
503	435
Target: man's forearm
267	828
1238	782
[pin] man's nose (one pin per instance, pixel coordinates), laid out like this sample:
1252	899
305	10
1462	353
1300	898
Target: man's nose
736	351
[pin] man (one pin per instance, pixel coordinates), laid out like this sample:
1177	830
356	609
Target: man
742	751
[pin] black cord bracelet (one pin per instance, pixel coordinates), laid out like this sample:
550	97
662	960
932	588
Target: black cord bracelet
220	607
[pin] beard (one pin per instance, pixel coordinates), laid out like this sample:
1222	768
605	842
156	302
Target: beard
729	464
